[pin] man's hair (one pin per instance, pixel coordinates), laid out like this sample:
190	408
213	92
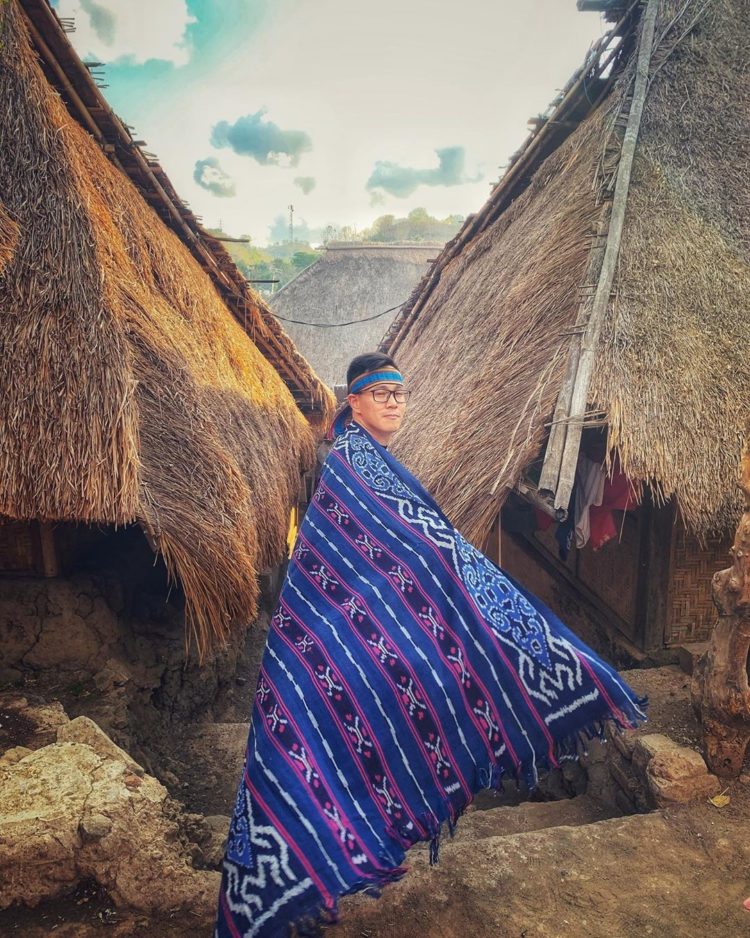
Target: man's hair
364	364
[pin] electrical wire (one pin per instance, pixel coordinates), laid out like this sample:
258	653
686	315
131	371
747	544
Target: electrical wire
338	325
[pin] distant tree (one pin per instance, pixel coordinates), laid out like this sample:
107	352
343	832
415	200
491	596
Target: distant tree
302	259
278	262
418	225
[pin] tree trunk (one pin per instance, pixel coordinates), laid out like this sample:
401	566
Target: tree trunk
720	691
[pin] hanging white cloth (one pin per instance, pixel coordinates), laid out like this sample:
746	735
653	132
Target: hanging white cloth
590	478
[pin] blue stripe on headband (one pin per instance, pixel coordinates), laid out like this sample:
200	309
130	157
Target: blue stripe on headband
366	380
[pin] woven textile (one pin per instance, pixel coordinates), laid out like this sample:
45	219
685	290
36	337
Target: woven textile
403	673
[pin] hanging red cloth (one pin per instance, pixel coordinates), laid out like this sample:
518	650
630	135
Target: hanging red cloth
618	495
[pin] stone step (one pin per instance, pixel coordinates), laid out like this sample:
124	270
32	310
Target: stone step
624	877
497	820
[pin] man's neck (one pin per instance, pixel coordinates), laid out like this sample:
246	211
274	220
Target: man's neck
383	438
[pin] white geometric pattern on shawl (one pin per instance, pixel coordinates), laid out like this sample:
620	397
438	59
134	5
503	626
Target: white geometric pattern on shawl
270	860
559	666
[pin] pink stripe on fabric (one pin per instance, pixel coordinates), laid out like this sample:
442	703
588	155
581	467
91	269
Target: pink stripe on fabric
228	918
328	898
542	725
379	665
288	759
467	706
615	711
348	740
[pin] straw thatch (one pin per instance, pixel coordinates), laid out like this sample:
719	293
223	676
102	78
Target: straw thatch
488	338
129	393
352	281
8	239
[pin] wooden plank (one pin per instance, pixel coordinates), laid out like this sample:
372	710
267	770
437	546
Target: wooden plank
609	619
559	429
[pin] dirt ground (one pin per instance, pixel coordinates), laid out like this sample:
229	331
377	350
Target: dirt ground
678	872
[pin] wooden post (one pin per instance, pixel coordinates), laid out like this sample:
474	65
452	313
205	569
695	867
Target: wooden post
655	567
590	339
559	428
720	692
50	561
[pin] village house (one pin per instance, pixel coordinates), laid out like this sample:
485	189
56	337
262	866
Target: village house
355	287
156	420
594	311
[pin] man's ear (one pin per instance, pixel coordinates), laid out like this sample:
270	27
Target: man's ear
352	398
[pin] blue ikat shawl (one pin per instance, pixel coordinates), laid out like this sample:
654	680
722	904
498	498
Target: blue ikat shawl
403	673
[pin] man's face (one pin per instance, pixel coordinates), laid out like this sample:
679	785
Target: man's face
380	418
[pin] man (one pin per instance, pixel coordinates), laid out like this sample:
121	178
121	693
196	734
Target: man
403	673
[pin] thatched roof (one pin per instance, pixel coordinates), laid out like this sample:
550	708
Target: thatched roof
489	329
128	390
351	281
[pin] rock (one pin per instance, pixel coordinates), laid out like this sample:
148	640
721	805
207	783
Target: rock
218	822
11	756
673	764
672	774
689	655
169	778
624	742
667	792
212	853
29	724
634	875
84	730
67	815
678	775
647	746
96	826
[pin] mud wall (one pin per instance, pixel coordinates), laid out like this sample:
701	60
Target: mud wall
108	640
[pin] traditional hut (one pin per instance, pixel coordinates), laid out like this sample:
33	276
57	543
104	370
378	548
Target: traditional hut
596	308
356	288
142	382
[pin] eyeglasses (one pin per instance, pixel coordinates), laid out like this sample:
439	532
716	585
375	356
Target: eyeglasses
383	395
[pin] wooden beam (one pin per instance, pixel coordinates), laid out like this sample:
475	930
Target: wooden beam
559	429
590	339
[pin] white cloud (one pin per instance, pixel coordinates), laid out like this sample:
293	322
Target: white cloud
136	30
391	81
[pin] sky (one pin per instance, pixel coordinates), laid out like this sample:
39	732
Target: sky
345	109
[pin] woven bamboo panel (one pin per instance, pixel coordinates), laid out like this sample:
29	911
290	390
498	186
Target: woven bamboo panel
692	614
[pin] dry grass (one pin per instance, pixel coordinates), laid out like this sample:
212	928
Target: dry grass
673	368
486	354
8	239
349	283
129	393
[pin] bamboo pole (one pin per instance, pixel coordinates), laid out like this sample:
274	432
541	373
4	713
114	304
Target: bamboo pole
590	339
559	428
